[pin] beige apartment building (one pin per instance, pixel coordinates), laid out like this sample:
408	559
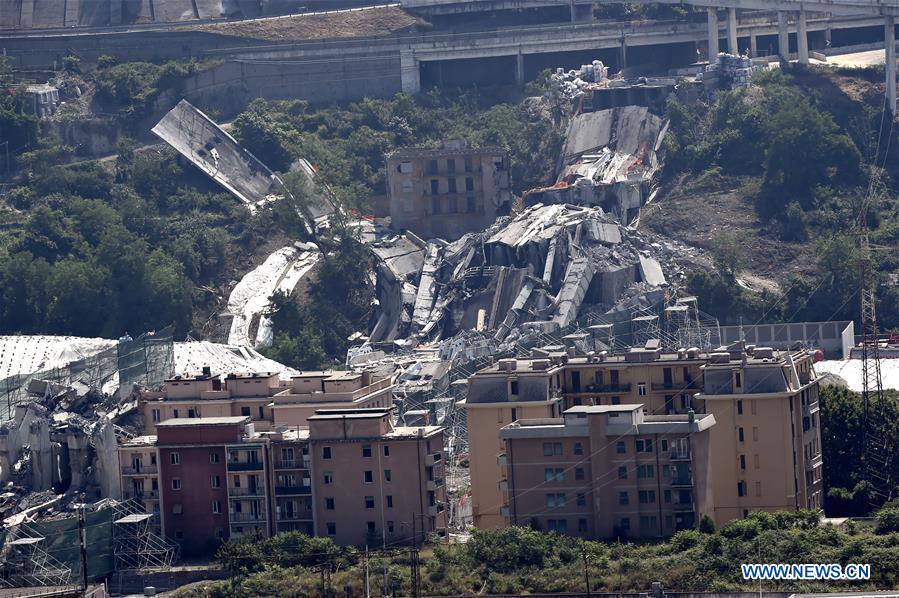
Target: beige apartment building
375	484
448	191
767	444
786	475
267	400
607	471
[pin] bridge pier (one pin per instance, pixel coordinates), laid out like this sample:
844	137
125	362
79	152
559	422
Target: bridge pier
410	73
732	45
519	68
802	38
623	53
713	33
783	36
890	45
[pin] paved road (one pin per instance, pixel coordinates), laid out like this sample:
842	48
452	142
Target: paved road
858	59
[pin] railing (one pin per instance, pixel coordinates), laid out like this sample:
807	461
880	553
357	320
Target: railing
142	470
244	466
816	461
292	464
682	481
247	517
293	517
680	455
608	388
810	408
291	490
682	506
257	491
142	495
432	459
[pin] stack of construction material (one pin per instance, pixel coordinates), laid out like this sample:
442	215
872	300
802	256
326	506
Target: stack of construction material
571	84
732	69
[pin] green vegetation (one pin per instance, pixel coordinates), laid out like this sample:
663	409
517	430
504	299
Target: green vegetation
812	182
842	442
521	560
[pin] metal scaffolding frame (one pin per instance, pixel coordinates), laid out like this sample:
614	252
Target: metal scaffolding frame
135	543
27	564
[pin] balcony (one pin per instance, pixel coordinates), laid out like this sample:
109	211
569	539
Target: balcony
504	485
246	517
680	455
142	495
292	490
501	460
682	482
432	459
608	388
257	491
142	470
814	462
433	510
811	408
244	465
434	484
682	507
294	517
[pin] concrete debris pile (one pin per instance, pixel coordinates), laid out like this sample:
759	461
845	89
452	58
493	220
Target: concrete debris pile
541	267
609	159
728	69
64	441
250	298
190	357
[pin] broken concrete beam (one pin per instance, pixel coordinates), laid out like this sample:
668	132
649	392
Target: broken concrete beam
577	280
651	271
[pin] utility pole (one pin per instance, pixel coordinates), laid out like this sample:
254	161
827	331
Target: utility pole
413	568
82	540
367	591
586	572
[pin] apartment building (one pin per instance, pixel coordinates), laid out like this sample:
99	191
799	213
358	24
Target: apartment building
767	444
375	484
267	400
500	394
139	463
448	191
607	471
775	407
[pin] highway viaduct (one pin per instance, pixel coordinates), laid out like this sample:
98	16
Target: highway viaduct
884	10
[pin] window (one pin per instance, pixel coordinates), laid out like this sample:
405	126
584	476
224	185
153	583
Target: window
740	434
390	527
175	458
646	472
555	499
435	201
737	381
513	387
514	414
217	507
367	476
332	528
625	523
370	527
648	522
755	433
451	186
245	411
742	461
389	500
175	413
579	473
578	448
467	164
616	400
647	496
641	389
664	445
554	474
741	488
620	447
216	481
329	504
622	473
191	413
755	461
214	457
739	406
582	526
387	475
156	416
552	449
237	481
432	166
326	452
643	445
386	450
581	499
369	502
366	450
176	484
758	488
667	496
328	478
623	498
451	165
557	525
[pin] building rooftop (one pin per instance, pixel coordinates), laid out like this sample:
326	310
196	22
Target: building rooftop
604	408
448	149
137	441
366	413
204	421
413	431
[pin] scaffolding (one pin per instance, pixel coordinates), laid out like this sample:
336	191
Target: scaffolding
136	544
26	563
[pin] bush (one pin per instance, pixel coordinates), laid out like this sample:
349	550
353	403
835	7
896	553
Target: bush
887	520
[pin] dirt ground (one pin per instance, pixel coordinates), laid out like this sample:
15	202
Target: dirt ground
695	212
358	23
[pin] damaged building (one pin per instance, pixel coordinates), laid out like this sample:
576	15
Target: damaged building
608	160
448	191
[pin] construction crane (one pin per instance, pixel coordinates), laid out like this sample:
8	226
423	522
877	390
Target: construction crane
877	451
